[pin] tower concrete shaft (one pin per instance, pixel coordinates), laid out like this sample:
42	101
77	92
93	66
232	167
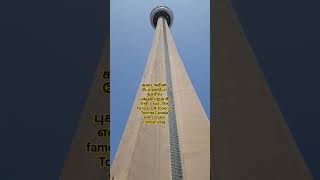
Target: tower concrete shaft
251	137
178	149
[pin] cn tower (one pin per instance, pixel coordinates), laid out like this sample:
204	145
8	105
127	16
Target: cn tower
178	146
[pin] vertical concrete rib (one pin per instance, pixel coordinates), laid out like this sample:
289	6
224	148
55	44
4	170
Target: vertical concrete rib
193	126
173	133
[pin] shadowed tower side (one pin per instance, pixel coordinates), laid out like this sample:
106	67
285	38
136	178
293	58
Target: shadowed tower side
80	164
251	138
178	149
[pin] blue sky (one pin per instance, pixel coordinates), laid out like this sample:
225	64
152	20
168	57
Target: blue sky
131	37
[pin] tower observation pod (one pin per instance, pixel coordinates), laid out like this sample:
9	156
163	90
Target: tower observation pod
167	136
161	11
